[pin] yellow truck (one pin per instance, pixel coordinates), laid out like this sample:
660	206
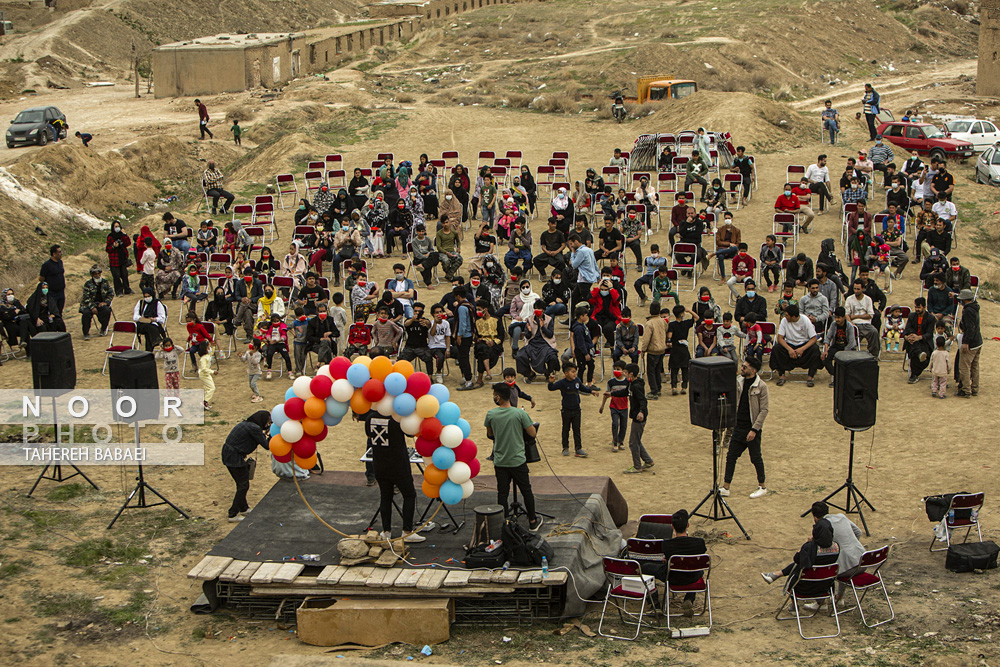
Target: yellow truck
662	87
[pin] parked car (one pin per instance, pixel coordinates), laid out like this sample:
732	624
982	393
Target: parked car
988	165
982	133
926	139
34	126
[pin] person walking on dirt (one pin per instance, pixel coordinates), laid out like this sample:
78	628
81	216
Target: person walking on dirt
237	133
870	105
203	120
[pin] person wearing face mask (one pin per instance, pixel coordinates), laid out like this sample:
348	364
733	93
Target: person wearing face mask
275	336
913	165
192	291
169	264
270	304
519	247
605	302
618	393
459	186
727	240
556	295
562	211
488	342
522	308
321	335
43	311
402	289
386	333
626	340
96	302
880	154
451	208
897	196
750	302
302	211
652	265
150	316
787	202
116	246
552	243
245	294
358	189
14	320
695	171
220	311
399	224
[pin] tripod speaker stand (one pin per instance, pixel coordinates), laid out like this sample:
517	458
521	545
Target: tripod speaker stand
720	509
140	490
854	497
57	469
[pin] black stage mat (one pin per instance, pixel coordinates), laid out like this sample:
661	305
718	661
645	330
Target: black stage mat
281	526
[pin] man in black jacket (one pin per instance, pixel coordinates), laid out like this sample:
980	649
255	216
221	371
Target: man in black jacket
800	270
918	335
750	303
681	544
972	345
322	335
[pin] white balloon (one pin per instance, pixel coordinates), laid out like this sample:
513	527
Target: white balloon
451	437
459	472
411	424
291	431
342	390
324	370
301	387
467	488
384	406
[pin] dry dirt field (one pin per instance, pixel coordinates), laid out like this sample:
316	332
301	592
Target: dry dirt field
72	592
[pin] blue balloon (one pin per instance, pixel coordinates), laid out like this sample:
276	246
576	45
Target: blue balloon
395	384
443	458
278	415
330	420
449	413
451	493
440	392
404	405
275	430
336	408
465	426
290	393
357	375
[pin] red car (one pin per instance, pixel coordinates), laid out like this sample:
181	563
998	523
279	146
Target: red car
926	139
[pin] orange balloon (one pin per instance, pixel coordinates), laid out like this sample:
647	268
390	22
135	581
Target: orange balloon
434	475
430	490
305	464
403	367
312	426
315	407
278	446
380	367
359	403
363	359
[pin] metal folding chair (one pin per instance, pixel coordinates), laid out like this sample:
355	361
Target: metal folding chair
679	262
963	512
690	565
868	578
126	330
285	185
824	576
620	573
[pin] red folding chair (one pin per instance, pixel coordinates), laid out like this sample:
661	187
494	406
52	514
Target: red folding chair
217	263
501	162
382	157
794	172
263	215
264	199
514	155
242	214
313	180
125	330
638	175
626	584
868	578
545	176
667	140
684	257
285	184
785	227
685	142
769	330
256	235
680	164
561	168
376	165
612	176
974	283
302	231
316	165
733	183
499	176
688	197
333	161
485	158
690	565
366	172
440	165
963	512
666	188
336	178
450	158
824	577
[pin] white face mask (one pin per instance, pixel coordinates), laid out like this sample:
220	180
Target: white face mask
555	281
525	291
895	186
147	299
729	222
10	298
448	197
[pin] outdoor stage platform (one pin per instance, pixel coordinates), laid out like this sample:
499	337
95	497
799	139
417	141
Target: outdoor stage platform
251	570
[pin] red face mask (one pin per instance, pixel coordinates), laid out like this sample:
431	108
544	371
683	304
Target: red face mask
250	347
956	268
626	320
361	283
538	313
248	279
479	313
383	320
302	319
513	279
704	297
475	283
511	382
617	373
168	349
322	316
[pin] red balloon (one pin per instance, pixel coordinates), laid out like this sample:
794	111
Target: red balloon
466	451
418	384
284	458
474	466
305	447
430	428
426	446
295	408
322	434
373	390
320	386
338	368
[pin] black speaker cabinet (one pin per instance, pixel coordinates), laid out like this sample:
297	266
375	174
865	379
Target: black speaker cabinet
709	380
130	371
52	363
855	389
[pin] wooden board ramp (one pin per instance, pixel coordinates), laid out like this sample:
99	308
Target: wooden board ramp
210	567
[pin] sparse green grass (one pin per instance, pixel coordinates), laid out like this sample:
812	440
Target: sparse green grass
69	491
90	552
65	605
14	568
134	611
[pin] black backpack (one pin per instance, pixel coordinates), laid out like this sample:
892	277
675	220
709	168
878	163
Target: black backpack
524	547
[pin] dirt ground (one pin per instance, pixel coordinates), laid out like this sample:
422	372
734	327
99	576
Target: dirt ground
126	599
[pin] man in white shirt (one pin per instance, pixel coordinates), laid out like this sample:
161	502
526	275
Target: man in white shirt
860	311
795	346
944	209
819	181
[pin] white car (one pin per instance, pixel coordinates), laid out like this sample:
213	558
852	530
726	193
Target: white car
981	133
988	166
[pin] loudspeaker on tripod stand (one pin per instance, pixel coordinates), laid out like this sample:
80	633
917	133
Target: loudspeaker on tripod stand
130	371
712	397
855	389
53	365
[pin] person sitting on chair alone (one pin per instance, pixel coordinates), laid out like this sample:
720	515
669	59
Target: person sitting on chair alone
681	544
820	549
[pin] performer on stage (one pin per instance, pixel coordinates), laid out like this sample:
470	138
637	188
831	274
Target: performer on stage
391	462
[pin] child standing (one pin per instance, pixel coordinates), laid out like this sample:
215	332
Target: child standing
148	265
299	339
359	337
581	341
253	357
680	353
237	133
940	368
197	333
571	387
171	366
205	372
339	314
516	393
726	336
438	341
893	328
637	410
618	391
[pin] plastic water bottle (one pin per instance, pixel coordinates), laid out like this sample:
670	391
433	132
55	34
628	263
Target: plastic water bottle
545	567
951	516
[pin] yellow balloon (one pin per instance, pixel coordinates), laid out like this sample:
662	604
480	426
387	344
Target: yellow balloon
427	406
278	446
380	367
315	407
305	464
360	404
312	426
363	359
403	367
